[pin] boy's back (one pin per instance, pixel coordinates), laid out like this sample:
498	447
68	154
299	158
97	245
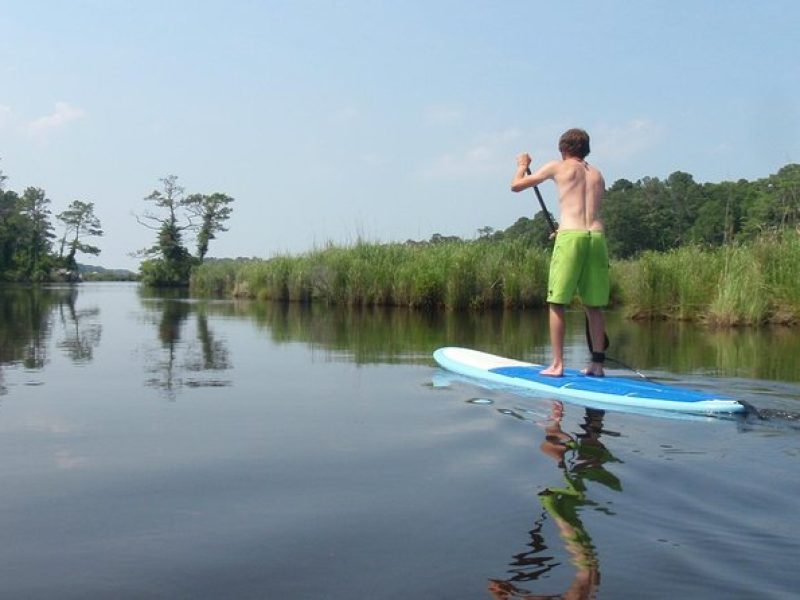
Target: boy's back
580	187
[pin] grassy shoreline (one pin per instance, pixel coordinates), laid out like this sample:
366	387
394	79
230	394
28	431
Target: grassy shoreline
737	285
747	284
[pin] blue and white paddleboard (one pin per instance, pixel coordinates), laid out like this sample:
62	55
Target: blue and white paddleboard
621	392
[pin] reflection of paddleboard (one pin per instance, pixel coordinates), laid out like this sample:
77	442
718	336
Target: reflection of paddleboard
621	392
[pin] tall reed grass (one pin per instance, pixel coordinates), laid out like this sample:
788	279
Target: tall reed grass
744	284
453	275
747	284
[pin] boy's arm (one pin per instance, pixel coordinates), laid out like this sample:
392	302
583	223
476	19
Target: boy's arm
523	181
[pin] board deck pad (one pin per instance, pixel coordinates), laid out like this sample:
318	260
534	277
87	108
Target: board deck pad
609	390
620	386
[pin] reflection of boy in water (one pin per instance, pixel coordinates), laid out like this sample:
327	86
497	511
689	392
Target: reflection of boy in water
562	504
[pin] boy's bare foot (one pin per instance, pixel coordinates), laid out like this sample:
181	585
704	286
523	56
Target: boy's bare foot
594	370
553	371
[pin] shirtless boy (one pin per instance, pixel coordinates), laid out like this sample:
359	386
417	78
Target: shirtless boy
580	255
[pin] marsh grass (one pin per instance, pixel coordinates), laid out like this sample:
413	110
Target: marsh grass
452	275
779	259
674	285
747	284
743	294
744	284
215	278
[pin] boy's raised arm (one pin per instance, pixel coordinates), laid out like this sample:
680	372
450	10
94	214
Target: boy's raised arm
523	181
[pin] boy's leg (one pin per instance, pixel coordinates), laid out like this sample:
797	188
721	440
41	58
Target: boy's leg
597	331
557	329
594	288
566	266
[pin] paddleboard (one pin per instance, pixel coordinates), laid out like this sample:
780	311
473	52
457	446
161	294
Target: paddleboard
608	391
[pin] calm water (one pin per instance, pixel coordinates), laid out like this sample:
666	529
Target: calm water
177	448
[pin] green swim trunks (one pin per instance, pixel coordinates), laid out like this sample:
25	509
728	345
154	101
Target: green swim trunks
579	264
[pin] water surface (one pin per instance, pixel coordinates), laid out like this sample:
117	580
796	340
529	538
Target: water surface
166	447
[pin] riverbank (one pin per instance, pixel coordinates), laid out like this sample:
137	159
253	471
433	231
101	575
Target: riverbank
745	284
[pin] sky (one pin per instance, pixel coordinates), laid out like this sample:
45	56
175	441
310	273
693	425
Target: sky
338	121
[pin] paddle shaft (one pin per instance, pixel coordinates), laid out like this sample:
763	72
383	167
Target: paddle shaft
546	212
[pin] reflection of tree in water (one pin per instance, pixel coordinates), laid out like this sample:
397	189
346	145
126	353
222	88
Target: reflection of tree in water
82	331
26	325
580	458
389	335
178	363
213	355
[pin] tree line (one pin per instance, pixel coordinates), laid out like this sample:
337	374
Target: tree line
652	214
661	215
31	249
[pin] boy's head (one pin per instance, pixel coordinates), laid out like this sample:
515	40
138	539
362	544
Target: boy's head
575	143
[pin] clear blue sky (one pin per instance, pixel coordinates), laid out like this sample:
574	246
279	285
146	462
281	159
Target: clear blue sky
329	121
